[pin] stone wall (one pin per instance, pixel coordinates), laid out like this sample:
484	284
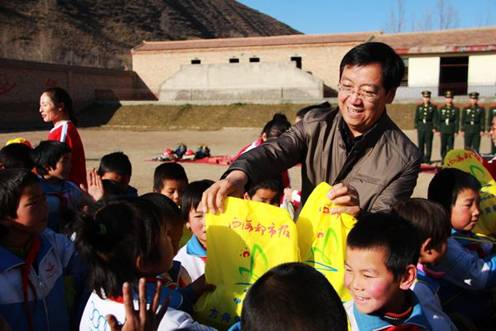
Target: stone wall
21	83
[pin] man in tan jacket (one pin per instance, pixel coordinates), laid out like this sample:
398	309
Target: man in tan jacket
356	148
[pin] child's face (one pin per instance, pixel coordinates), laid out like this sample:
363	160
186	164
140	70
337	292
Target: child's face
173	189
265	195
196	223
32	211
62	167
370	283
116	177
465	212
50	113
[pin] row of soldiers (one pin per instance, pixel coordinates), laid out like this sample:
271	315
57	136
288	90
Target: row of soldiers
446	120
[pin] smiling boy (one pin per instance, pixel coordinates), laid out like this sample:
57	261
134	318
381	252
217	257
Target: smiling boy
381	257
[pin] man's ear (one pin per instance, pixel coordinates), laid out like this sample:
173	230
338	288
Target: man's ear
425	247
390	95
246	196
408	277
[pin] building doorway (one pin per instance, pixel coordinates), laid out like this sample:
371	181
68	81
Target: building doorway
453	75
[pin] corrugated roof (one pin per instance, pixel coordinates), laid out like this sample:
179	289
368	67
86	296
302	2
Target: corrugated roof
443	41
254	41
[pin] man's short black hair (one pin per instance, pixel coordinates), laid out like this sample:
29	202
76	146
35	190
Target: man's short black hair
390	232
168	170
12	182
16	156
192	196
293	296
47	154
367	53
117	162
429	218
448	183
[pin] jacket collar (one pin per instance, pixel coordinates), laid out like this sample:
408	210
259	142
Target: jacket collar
9	260
195	248
376	322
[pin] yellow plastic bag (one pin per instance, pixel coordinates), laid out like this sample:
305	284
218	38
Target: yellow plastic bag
244	242
468	161
322	238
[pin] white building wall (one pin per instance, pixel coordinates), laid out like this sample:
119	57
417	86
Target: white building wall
423	72
482	69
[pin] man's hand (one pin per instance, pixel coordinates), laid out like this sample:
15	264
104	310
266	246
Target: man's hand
232	185
146	319
345	198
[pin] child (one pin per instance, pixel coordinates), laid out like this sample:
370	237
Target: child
433	228
123	242
171	215
170	180
268	191
194	254
56	108
292	296
53	163
16	155
117	168
34	260
468	269
381	256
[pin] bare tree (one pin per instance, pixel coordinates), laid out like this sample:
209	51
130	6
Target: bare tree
448	15
397	17
425	24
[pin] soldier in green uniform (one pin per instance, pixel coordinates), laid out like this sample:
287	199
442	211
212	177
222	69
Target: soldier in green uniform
473	122
447	123
491	114
424	123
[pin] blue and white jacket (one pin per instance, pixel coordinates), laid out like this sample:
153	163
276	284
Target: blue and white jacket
360	321
55	260
192	257
464	268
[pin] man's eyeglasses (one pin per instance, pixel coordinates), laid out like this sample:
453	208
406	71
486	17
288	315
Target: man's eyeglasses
363	92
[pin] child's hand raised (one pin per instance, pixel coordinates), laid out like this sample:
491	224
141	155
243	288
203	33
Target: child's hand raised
145	319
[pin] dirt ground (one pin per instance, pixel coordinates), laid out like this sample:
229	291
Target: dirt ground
141	146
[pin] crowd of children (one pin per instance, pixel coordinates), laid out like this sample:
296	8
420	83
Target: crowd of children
77	254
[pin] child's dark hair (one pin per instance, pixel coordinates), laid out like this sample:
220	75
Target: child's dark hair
16	156
117	162
270	184
277	126
168	170
448	183
47	154
429	218
392	233
60	96
112	239
168	209
12	183
192	196
293	296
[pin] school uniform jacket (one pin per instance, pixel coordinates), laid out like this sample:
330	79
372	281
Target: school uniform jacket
383	166
47	305
192	257
371	322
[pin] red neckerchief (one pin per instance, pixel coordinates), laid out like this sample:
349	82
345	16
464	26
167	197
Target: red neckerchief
26	284
405	327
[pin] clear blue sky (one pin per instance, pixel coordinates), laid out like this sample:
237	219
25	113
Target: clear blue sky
332	16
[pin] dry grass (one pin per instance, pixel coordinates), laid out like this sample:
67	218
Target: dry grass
195	117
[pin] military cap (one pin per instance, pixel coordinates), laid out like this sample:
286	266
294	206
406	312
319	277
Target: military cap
426	94
448	94
473	95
